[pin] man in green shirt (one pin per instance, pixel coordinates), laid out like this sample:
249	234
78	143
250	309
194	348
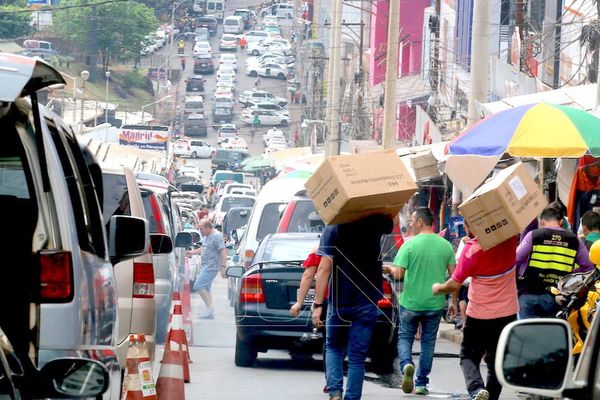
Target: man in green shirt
590	223
422	261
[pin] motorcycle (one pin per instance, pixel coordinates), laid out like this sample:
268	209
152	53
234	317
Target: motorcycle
578	294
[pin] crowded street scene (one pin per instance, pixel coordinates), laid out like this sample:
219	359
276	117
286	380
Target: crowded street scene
300	199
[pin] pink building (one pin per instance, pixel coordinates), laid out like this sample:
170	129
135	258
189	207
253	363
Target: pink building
411	36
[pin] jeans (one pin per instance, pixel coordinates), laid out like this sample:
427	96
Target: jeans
409	323
537	306
480	336
348	329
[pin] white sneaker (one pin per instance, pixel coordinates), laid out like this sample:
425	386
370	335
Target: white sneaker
208	314
482	395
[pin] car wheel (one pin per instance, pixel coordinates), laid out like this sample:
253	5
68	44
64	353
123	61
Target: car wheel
280	76
254	74
284	122
245	353
194	154
254	52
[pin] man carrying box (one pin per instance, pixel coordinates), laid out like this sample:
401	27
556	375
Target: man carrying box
350	255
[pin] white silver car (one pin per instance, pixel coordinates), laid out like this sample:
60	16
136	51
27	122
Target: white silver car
202	48
226	72
265	46
228	60
255	36
261	95
269	70
265	117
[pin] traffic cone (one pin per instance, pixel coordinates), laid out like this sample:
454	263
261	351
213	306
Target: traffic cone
177	302
170	385
138	383
176	340
186	308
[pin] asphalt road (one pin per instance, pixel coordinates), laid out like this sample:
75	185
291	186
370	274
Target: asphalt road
275	375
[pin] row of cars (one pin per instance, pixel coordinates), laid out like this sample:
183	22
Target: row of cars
271	240
95	252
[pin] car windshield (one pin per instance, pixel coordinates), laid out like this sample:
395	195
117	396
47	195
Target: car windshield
229	202
288	249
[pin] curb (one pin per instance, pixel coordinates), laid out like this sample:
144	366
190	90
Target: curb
452	335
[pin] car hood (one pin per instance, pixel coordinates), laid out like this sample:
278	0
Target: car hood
22	76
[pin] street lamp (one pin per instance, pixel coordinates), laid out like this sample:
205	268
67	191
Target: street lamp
85	75
151	104
107	74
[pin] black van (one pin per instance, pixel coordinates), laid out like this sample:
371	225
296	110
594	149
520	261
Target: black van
223	157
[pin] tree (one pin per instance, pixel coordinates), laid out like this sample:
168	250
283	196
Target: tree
108	30
14	24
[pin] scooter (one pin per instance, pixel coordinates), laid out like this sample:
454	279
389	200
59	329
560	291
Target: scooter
578	294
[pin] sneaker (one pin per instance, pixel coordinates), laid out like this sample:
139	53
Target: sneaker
325	389
208	314
336	396
482	395
407	378
422	390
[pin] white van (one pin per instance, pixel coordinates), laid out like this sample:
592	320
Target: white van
233	25
216	8
266	213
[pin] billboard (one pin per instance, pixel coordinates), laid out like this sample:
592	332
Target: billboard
145	137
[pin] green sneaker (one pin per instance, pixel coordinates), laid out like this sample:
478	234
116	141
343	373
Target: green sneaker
407	378
422	390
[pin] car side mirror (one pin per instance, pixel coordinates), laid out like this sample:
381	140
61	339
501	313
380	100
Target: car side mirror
128	237
184	239
527	363
161	243
76	377
235	272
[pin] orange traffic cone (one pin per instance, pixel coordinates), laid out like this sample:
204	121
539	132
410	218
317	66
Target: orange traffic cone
170	385
177	341
178	302
138	383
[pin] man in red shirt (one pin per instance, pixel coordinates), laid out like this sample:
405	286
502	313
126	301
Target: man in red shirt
492	305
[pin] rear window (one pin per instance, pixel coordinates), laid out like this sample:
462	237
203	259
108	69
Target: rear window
230	22
300	222
234	220
288	250
268	220
230	202
116	196
194	105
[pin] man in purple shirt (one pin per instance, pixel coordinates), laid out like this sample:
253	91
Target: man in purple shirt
544	256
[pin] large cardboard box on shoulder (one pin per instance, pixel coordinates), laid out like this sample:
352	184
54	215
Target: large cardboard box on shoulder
348	187
504	206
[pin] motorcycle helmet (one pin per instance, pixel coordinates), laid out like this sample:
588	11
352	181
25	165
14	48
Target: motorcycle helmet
595	253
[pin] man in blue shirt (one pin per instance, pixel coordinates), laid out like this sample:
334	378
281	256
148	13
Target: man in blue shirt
350	256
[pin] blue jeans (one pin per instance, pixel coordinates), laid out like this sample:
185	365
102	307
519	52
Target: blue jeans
537	306
409	323
348	328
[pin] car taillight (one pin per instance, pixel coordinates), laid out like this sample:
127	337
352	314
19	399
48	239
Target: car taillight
252	289
143	280
386	301
156	214
248	256
56	276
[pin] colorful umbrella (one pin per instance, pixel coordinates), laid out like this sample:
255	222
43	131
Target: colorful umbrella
298	174
533	130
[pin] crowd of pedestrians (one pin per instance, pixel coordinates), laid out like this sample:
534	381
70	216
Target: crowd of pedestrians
506	282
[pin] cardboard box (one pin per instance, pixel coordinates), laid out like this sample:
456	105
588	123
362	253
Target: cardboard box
423	159
427	172
504	206
349	187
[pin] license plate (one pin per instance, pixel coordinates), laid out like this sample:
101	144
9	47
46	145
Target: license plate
310	296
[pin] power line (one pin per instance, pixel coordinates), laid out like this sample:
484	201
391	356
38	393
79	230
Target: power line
57	8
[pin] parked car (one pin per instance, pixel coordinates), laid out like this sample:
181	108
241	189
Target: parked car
40	48
248	17
226	71
228	201
228	42
235	188
134	277
225	85
265	117
193	105
265	105
52	192
248	95
224	157
201	34
263	47
233	24
270	20
224	101
201	149
255	36
300	215
276	144
195	83
202	48
272	133
235	218
203	64
236	143
225	131
195	125
222	114
266	291
268	70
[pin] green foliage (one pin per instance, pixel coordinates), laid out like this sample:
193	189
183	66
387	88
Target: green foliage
162	8
132	79
14	25
119	30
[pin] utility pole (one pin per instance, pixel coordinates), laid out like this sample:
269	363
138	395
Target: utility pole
435	62
333	94
557	40
391	75
479	58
